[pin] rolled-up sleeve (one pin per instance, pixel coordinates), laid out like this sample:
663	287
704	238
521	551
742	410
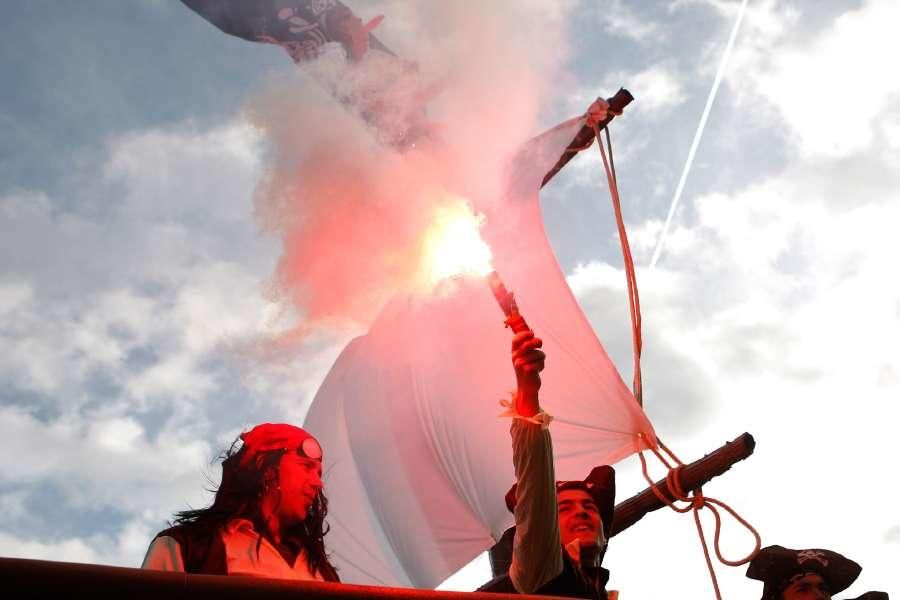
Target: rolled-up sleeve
537	554
164	554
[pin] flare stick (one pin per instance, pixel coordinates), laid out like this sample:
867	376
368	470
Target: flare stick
507	302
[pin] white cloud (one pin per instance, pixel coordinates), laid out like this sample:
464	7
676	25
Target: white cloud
186	175
117	435
14	295
657	90
68	450
126	547
123	313
807	373
831	91
780	291
619	19
69	550
658	87
161	270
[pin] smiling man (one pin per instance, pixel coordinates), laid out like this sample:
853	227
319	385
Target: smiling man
585	511
267	519
562	528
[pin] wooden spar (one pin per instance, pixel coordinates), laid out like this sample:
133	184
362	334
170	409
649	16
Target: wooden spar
629	512
586	134
693	475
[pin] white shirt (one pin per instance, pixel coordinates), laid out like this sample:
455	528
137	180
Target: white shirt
241	556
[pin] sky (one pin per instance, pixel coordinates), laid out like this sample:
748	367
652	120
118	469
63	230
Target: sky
137	263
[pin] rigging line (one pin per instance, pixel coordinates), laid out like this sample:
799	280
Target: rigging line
578	425
723	64
634	304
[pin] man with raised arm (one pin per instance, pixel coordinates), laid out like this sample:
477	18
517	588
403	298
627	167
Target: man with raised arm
561	527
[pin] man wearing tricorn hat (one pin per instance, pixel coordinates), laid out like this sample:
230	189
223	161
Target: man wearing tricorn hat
268	516
811	574
561	528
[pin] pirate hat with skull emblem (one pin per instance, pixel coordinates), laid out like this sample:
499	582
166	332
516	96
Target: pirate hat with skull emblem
777	566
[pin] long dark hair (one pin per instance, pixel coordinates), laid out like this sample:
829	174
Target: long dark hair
239	496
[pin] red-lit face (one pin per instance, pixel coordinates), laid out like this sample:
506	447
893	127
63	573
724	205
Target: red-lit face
808	587
300	480
579	517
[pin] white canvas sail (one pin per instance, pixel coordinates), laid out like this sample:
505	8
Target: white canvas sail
417	461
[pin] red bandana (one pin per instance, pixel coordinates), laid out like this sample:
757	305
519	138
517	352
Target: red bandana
280	436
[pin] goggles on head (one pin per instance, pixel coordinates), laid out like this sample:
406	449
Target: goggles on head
310	448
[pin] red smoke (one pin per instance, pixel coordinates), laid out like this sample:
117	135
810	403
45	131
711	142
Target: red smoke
350	211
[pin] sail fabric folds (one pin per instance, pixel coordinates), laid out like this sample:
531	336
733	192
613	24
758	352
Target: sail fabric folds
417	461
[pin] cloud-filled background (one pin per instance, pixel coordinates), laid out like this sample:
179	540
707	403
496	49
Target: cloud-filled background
138	258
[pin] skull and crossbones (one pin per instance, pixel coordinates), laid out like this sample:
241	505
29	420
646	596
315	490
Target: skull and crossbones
806	555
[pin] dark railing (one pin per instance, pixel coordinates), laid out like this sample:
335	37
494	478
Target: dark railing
32	579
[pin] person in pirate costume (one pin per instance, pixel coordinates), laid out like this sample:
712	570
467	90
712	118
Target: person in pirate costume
811	574
561	527
267	518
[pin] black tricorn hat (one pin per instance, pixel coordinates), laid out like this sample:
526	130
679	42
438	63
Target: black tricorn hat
600	484
775	565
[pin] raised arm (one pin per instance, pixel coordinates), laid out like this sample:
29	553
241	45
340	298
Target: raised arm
537	554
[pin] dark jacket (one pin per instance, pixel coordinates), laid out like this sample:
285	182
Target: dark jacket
202	550
570	584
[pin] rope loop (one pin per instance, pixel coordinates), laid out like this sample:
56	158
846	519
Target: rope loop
694	501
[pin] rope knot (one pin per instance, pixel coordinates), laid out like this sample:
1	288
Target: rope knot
696	501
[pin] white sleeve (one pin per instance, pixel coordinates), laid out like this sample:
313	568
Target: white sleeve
164	554
537	553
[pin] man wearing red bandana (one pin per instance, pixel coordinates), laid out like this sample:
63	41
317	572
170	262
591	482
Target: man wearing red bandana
267	519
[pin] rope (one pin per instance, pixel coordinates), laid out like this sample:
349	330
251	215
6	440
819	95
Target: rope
695	500
634	303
